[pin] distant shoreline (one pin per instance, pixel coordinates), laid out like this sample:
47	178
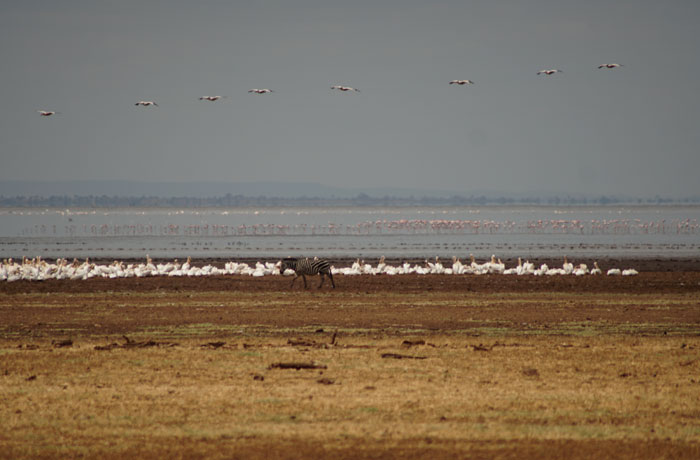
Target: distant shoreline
360	201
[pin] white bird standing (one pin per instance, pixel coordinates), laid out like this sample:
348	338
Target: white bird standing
381	265
344	88
461	82
610	66
549	71
146	103
260	91
47	113
211	98
567	266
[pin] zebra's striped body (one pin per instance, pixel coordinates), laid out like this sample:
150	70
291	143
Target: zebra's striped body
303	267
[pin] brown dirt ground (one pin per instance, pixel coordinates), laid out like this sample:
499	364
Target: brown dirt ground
431	302
516	367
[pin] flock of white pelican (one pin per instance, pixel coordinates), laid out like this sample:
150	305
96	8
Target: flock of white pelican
37	269
492	267
343	88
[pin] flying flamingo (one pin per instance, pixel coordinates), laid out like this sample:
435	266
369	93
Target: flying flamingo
609	66
461	82
47	113
211	98
146	103
260	91
549	71
344	88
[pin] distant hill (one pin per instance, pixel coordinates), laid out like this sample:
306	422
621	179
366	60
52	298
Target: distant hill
203	194
203	189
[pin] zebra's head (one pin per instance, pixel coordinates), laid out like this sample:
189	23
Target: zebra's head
288	263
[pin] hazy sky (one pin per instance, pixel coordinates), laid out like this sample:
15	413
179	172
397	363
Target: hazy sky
633	130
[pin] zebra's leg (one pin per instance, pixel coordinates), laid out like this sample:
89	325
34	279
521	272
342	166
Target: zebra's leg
293	280
304	278
323	278
330	276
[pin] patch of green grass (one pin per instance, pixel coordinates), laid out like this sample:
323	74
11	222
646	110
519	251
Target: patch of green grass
368	409
249	354
282	419
584	329
184	331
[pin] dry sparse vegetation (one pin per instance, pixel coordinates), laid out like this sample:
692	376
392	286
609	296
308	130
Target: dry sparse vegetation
176	371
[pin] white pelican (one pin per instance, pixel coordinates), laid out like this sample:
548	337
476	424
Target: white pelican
549	71
495	266
515	271
381	265
260	91
187	265
609	66
461	82
47	113
211	98
544	268
146	103
344	88
568	267
457	266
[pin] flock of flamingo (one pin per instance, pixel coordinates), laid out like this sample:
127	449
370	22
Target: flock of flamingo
342	88
37	269
383	227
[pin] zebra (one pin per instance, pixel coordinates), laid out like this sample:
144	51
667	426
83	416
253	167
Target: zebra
303	267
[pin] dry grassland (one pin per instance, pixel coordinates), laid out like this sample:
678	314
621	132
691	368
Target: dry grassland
399	374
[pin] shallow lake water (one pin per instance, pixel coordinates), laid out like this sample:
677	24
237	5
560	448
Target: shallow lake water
506	231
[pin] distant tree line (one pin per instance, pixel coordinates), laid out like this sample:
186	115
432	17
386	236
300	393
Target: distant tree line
234	201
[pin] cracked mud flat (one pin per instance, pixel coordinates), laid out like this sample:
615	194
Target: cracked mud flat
381	367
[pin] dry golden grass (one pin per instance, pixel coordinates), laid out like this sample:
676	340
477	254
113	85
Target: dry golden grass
485	388
81	401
